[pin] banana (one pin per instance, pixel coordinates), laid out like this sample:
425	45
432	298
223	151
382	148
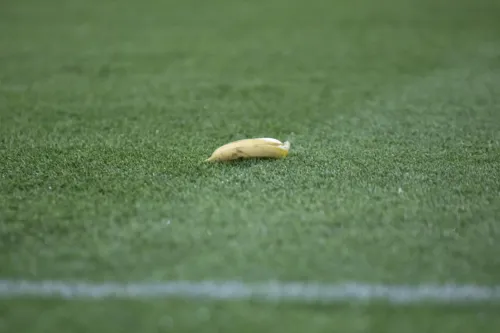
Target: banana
251	148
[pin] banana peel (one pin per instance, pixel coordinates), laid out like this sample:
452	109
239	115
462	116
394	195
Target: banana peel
251	148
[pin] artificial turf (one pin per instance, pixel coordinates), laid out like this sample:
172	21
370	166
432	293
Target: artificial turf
108	109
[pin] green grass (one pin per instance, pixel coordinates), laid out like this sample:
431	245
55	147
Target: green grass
137	316
107	110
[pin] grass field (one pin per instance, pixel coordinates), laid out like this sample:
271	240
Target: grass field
108	109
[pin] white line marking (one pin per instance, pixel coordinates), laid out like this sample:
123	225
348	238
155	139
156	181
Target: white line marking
271	291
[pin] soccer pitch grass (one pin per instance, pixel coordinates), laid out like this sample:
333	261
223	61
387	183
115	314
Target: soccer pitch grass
107	110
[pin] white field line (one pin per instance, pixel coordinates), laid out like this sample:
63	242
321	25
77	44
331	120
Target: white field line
271	291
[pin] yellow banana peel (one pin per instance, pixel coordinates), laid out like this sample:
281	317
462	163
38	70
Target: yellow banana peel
251	148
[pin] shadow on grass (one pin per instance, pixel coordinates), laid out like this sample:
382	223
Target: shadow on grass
242	163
